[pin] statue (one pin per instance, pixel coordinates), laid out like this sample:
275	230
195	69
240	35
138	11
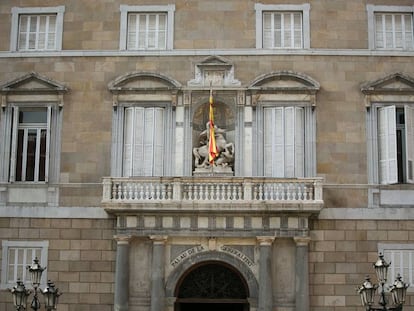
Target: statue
225	149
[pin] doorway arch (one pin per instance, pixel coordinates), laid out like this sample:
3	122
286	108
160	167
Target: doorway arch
212	285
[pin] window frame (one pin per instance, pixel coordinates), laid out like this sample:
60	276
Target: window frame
119	134
309	126
7	245
391	247
283	8
18	11
127	9
373	138
372	10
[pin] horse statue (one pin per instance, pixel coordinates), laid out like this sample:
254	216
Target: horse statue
225	149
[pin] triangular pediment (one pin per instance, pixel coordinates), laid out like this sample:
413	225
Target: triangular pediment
32	83
285	81
142	81
214	71
392	84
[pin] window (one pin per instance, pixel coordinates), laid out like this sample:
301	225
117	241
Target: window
143	116
284	125
17	255
282	26
395	143
390	27
283	141
147	27
30	143
37	29
402	258
30	123
143	141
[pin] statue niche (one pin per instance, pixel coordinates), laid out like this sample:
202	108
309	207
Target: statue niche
224	162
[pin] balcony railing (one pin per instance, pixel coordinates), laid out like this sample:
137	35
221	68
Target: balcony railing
211	189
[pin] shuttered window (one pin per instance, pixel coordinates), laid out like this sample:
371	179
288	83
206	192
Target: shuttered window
147	31
394	31
282	30
395	144
37	32
17	255
143	152
402	263
283	141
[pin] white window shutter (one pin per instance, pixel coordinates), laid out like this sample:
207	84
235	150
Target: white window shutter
13	154
289	142
299	142
138	151
48	131
148	150
409	142
128	138
158	142
387	145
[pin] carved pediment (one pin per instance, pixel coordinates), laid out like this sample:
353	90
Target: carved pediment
143	82
284	81
214	71
396	83
32	83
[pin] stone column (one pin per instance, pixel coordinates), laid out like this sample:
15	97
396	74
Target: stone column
157	273
122	273
302	273
265	302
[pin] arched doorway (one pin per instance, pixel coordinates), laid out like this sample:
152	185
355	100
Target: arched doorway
212	286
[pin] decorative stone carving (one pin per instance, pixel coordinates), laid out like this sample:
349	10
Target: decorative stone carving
226	150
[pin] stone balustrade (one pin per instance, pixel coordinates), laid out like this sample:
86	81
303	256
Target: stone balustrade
211	189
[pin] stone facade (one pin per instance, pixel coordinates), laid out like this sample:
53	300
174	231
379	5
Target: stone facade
115	247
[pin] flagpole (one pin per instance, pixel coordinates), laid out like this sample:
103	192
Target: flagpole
212	147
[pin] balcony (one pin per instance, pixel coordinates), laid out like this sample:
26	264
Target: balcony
205	193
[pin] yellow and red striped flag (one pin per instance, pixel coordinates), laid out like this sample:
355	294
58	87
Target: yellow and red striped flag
212	147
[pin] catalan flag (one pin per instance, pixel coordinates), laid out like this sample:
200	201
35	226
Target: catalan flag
212	147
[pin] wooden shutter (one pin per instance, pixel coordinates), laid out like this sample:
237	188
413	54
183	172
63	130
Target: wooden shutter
138	151
289	142
47	154
387	139
273	141
299	142
409	142
158	144
128	139
13	154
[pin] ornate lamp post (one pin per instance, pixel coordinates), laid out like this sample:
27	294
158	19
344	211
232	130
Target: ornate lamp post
20	293
367	290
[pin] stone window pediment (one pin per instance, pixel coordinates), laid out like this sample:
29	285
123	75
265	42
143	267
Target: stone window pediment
285	81
215	71
136	82
32	83
396	83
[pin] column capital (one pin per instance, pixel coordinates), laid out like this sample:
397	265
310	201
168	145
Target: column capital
159	239
302	240
265	240
122	238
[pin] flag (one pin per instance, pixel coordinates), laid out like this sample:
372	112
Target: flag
212	147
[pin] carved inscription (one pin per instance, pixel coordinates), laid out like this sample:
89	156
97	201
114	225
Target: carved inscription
236	253
186	254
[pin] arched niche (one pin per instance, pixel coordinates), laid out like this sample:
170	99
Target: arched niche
224	118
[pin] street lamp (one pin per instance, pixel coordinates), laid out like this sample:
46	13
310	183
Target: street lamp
367	290
20	293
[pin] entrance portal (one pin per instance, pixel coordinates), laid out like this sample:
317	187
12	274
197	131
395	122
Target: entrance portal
212	286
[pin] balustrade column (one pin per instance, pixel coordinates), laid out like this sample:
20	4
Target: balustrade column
157	273
122	273
265	273
302	273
